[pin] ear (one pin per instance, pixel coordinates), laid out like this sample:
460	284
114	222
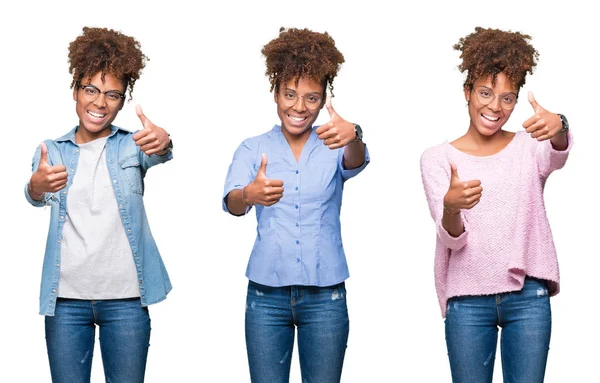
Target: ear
75	88
275	94
467	94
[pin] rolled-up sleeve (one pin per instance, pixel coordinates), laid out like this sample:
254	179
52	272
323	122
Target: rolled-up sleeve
241	170
349	173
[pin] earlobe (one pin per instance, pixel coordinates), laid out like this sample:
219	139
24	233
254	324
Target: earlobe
75	93
467	95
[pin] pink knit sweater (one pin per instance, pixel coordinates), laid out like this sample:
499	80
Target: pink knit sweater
507	235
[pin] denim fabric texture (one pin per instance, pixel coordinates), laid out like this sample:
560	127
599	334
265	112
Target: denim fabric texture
273	314
124	339
472	324
127	166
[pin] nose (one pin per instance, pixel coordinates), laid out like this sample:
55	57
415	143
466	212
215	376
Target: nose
299	106
495	104
100	102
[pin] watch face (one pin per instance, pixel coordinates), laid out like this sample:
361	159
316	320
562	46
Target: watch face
359	132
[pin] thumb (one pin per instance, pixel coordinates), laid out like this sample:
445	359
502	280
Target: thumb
142	116
44	155
329	107
262	170
533	102
453	172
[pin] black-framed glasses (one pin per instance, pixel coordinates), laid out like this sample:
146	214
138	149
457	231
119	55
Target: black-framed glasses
111	97
311	100
486	96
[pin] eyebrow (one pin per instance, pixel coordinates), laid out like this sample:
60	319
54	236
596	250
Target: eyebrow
486	87
292	90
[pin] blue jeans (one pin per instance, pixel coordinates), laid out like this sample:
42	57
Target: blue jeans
124	339
472	333
273	314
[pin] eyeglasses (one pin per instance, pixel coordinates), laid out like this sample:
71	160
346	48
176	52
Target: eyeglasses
111	97
486	96
311	100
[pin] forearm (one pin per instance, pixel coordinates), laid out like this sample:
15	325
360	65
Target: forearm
235	203
560	141
453	223
354	155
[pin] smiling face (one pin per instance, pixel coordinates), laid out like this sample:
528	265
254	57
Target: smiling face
96	116
488	119
298	106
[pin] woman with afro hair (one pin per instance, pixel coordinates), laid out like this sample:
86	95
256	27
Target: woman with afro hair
101	266
294	175
495	260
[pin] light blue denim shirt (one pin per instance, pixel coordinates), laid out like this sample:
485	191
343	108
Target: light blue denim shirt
127	166
298	239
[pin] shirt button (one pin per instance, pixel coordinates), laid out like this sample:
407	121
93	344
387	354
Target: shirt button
296	172
76	150
121	206
296	187
296	206
53	290
62	217
58	242
140	281
114	181
65	192
72	170
58	265
128	230
297	242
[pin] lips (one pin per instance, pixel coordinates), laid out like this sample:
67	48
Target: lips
95	117
296	121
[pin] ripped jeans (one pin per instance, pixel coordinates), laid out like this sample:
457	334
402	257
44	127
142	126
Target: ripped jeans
472	324
124	339
272	316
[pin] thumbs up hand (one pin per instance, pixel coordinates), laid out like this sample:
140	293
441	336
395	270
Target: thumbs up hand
263	191
543	125
338	132
47	179
152	139
461	194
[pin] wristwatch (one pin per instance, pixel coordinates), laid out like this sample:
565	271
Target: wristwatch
359	133
565	123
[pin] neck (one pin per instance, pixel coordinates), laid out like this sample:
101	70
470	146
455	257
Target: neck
83	136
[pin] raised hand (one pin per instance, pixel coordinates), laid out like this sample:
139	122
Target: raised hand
47	179
461	194
543	125
152	139
263	191
338	132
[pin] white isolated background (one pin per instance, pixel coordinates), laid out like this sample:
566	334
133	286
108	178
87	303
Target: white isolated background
205	84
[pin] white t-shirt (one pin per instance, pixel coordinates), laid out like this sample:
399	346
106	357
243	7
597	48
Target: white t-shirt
96	257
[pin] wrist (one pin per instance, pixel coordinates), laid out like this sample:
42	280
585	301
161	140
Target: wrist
451	211
34	193
245	199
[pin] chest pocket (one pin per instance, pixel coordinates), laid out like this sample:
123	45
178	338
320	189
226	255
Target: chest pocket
132	172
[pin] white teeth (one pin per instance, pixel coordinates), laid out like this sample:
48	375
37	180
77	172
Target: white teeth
297	118
490	118
97	115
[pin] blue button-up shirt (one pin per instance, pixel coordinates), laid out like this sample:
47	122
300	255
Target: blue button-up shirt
127	166
298	239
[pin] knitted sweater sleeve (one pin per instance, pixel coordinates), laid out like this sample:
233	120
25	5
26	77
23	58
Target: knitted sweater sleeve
549	159
435	174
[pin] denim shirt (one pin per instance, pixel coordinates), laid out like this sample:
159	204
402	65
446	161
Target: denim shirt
298	239
127	166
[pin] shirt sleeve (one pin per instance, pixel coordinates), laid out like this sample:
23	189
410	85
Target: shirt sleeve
550	159
435	173
241	171
148	161
349	173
